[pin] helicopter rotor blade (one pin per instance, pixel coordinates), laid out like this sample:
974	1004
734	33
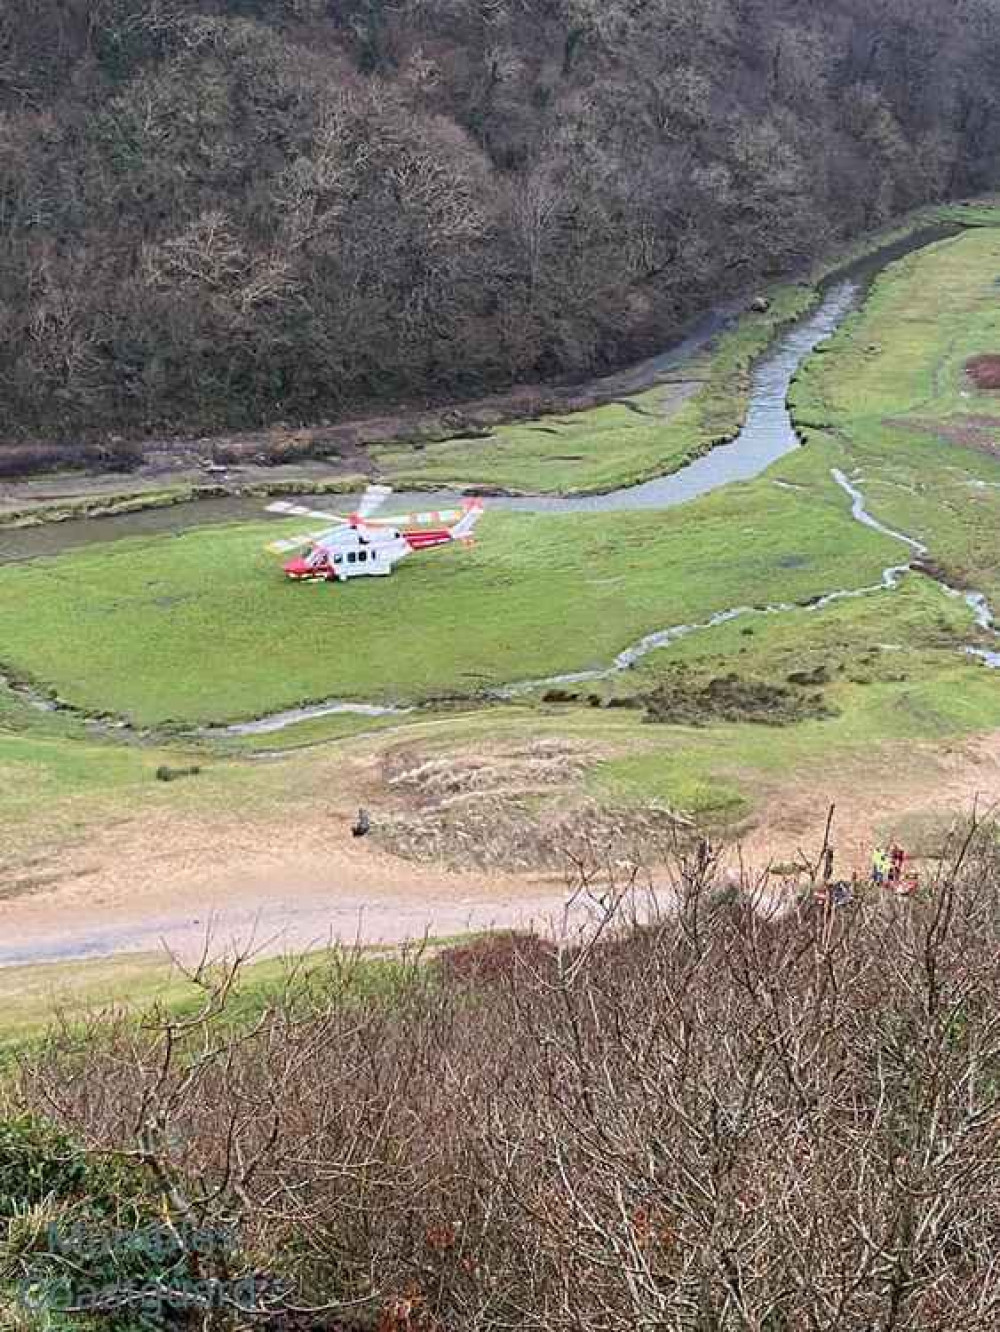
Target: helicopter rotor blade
288	510
293	543
371	501
436	516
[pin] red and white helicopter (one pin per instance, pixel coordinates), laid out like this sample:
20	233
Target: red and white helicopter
359	545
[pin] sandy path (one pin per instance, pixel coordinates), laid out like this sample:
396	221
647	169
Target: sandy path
297	882
166	881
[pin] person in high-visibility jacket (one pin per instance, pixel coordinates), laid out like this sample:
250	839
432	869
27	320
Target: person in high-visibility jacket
897	859
880	866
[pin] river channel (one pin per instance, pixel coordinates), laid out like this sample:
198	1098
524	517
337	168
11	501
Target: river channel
767	435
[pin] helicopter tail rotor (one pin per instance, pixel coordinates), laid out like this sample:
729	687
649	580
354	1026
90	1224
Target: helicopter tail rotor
463	529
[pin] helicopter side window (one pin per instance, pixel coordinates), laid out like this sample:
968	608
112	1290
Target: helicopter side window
362	556
351	557
338	559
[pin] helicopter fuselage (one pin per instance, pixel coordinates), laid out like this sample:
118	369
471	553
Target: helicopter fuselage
353	554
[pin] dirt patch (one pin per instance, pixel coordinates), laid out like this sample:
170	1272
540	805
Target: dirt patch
34	880
984	371
272	881
971	432
294	880
512	809
878	798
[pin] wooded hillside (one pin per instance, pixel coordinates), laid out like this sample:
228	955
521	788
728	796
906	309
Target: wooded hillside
226	212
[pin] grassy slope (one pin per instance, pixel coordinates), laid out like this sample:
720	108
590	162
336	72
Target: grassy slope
34	998
900	361
896	674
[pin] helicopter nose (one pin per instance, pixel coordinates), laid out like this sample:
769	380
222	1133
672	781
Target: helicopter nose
297	569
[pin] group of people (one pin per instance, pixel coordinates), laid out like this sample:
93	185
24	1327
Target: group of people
888	869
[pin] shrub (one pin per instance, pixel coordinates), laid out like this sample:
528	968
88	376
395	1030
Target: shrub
495	957
984	371
719	1106
37	1160
164	773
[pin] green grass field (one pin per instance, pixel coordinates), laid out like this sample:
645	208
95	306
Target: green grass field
890	390
203	627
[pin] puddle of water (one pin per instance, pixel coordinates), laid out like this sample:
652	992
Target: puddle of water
990	659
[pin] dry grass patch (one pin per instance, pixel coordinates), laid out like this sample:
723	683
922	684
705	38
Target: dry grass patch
515	807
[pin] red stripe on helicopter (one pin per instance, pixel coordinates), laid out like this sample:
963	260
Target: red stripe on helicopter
432	537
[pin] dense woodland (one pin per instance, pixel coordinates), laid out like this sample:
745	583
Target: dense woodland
229	212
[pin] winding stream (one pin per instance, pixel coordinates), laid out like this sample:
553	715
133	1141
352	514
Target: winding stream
766	436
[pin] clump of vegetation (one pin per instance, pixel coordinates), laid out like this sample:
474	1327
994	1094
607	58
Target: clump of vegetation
165	773
819	675
511	807
560	696
617	1132
37	1161
91	1240
686	700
